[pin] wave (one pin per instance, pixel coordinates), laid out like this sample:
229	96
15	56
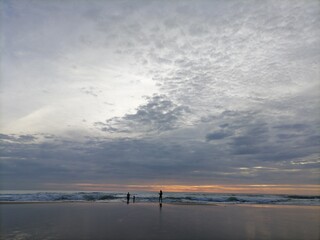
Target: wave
192	198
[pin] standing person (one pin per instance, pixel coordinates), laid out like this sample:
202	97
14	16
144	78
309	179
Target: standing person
160	196
133	199
128	198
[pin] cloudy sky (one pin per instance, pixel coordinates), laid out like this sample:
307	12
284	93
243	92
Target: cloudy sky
199	95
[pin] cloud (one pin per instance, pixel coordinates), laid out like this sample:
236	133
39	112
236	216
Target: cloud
17	138
90	91
201	92
157	115
242	158
216	136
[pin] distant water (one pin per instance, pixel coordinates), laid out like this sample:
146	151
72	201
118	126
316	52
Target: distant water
191	198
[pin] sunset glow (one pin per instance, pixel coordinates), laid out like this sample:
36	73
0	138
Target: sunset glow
240	188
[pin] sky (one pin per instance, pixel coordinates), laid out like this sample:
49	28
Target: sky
218	96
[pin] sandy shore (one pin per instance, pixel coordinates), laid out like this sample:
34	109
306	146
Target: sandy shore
148	221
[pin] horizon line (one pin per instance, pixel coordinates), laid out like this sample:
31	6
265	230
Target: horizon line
302	189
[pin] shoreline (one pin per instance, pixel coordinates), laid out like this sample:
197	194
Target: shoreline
256	205
145	221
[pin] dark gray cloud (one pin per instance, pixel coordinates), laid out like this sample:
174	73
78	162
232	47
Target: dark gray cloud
17	138
217	135
249	152
157	115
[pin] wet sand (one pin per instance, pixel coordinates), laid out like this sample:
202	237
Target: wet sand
148	221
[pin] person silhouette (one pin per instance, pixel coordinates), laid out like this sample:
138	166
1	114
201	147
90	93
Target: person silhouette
128	197
133	199
160	196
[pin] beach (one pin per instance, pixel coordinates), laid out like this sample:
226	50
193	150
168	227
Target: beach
98	220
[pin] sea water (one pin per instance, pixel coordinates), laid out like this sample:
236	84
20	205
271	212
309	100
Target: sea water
168	197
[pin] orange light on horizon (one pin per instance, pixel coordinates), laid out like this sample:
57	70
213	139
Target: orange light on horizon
235	188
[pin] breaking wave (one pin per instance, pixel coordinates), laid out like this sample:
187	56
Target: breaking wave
192	198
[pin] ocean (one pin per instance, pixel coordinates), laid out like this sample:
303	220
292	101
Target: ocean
168	197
